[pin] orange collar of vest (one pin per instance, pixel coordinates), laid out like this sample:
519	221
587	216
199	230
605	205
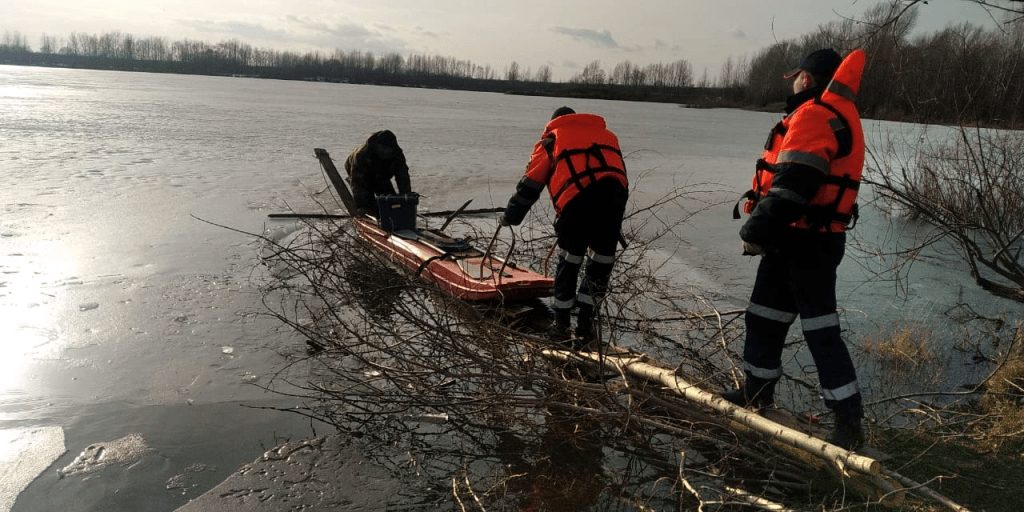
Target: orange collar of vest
846	80
578	120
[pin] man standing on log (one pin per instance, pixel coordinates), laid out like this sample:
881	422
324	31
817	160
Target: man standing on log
372	166
578	159
803	200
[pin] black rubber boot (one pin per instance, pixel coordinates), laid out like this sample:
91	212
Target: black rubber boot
757	395
585	324
559	328
847	433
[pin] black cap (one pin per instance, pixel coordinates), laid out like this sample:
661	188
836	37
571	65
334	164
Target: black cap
562	111
820	63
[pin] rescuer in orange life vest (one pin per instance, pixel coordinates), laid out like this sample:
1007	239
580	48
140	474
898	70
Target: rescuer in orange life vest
580	162
803	200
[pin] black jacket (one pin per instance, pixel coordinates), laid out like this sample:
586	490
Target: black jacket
370	172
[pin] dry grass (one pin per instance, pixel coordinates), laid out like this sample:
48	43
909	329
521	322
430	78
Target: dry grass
905	347
1003	401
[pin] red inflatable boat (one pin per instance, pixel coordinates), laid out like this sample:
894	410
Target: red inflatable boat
455	266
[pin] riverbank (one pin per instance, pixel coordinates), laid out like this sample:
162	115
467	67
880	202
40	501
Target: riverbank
332	471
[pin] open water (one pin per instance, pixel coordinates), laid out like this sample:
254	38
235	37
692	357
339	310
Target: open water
131	346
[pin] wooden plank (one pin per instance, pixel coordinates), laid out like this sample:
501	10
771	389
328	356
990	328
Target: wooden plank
336	180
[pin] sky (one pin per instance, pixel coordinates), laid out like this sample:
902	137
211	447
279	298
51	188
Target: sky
564	35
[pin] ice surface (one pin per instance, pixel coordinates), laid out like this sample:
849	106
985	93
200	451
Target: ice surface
106	175
24	454
123	451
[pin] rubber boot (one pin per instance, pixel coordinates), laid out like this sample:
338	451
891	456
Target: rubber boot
559	328
847	433
754	393
585	324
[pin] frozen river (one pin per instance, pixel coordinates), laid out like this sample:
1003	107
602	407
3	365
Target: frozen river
126	322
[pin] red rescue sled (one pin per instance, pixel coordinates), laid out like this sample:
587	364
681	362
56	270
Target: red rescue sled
453	265
456	267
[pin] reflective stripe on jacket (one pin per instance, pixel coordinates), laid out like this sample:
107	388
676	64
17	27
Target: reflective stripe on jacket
583	151
825	135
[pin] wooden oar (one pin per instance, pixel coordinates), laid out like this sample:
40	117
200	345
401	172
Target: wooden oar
454	214
443	213
339	184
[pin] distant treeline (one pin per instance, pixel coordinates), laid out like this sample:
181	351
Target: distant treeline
670	82
963	73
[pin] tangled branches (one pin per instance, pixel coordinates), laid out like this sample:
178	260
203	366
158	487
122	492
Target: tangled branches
971	192
465	401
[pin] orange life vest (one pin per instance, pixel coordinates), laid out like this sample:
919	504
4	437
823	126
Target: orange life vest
823	145
584	152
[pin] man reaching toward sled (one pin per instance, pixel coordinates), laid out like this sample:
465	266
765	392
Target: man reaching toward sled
578	159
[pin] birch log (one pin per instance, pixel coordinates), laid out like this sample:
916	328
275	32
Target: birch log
638	367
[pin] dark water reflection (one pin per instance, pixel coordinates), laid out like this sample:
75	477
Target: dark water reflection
560	471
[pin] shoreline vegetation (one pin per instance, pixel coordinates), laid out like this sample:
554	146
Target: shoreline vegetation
960	75
416	357
372	71
610	431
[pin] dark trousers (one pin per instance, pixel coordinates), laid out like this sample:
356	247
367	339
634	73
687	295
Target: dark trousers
801	281
592	219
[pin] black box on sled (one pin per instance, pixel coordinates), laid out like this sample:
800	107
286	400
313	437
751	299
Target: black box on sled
397	212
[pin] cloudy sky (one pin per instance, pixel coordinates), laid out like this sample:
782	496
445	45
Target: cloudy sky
562	34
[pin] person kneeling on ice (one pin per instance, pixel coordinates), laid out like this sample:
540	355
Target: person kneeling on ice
371	167
802	202
578	159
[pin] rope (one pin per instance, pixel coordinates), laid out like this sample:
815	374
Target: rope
511	247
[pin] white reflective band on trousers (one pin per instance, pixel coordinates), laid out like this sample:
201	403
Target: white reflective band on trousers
763	373
841	393
819	322
771	313
601	258
575	259
564	304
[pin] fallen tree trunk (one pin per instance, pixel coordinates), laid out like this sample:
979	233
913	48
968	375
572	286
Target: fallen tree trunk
638	367
859	473
869	478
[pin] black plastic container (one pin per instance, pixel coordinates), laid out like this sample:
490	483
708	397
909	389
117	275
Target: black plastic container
397	212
